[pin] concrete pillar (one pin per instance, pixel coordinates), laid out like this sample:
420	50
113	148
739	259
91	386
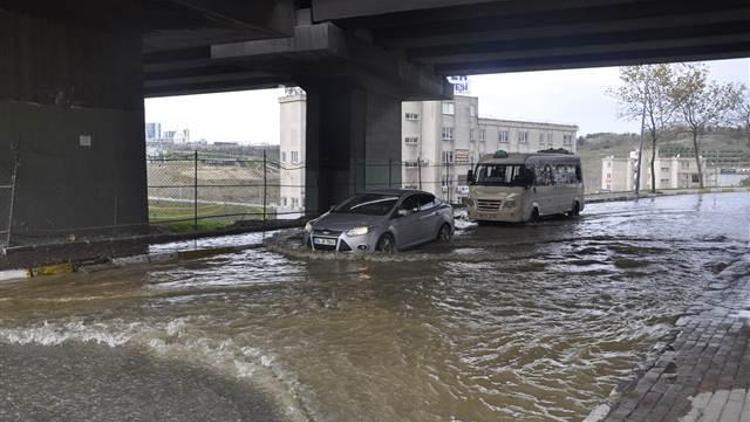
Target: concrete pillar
71	101
353	136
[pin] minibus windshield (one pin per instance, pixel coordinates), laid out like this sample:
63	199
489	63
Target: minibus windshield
502	175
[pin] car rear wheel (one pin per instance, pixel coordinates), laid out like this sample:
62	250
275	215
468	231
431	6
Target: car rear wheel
534	218
445	233
386	244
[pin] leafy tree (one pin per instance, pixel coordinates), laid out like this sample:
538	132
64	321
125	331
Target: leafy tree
701	103
645	95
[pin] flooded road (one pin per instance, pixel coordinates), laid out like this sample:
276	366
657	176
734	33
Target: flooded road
535	322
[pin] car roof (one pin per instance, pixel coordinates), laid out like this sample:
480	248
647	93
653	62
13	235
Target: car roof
395	192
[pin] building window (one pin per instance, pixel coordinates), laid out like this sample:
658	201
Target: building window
447	157
472	110
665	169
283	157
449	107
295	202
684	165
542	139
482	135
523	137
695	178
503	136
411	140
412	116
568	140
664	181
295	156
283	200
447	133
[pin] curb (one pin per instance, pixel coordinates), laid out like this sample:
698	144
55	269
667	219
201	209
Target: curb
143	259
44	270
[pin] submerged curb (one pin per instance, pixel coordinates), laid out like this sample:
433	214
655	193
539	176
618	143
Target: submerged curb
142	259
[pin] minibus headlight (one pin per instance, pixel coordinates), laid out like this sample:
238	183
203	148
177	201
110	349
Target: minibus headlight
509	204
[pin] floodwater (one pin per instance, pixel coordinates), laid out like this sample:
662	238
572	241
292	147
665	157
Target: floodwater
507	322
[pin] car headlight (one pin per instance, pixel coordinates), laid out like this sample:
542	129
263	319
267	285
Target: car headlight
358	231
308	227
509	204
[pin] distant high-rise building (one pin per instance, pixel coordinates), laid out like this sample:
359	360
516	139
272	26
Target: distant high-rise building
153	132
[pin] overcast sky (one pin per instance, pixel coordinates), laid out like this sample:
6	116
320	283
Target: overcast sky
566	96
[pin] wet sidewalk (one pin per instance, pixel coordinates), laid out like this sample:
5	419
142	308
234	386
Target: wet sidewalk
704	374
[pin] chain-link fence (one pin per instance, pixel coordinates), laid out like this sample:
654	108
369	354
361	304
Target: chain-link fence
201	189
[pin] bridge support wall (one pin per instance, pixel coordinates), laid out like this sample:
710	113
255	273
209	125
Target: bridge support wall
71	102
353	143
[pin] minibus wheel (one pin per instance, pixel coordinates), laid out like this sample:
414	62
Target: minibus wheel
534	215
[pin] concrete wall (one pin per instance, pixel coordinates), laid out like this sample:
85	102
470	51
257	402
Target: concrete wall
59	82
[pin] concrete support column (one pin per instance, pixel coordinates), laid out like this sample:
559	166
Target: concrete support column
71	101
353	134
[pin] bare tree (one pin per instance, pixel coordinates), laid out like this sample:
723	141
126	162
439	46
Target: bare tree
741	114
645	95
701	103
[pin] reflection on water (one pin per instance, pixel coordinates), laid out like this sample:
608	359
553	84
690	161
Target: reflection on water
507	323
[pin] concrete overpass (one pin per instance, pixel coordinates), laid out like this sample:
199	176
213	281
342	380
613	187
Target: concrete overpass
77	71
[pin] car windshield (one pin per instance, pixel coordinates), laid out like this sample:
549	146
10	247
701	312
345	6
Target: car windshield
368	203
502	175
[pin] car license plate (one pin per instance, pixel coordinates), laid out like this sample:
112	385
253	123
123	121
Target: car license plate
326	242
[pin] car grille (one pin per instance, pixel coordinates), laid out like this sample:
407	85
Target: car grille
325	248
326	233
488	205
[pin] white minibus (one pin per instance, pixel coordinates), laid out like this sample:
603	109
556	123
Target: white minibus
515	187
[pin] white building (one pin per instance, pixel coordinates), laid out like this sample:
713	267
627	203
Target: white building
675	172
441	141
292	154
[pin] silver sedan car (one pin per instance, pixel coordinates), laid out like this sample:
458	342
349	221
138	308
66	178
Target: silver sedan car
381	220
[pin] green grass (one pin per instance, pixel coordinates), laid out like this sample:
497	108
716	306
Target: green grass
178	217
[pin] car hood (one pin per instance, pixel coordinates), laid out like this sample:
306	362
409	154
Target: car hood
346	221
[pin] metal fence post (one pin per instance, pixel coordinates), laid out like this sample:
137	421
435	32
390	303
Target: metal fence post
419	170
14	180
265	184
390	164
195	190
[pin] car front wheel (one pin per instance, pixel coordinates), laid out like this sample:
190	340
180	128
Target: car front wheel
386	244
445	233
